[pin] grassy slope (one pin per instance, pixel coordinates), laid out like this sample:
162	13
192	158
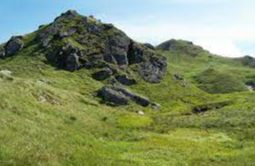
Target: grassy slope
51	117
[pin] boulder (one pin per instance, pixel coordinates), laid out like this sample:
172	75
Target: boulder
102	74
123	79
14	45
121	96
112	96
143	101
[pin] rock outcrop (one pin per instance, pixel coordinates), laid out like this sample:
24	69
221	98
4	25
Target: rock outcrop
103	74
154	69
125	80
118	96
113	96
73	41
65	57
14	45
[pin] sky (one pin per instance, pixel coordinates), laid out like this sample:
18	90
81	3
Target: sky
224	27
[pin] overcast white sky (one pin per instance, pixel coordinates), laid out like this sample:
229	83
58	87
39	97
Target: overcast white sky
225	27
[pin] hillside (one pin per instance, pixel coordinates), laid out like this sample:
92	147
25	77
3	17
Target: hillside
81	92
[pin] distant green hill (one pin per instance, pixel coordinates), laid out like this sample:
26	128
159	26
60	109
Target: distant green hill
213	81
182	46
81	92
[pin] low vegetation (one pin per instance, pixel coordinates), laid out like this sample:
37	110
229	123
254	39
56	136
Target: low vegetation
205	114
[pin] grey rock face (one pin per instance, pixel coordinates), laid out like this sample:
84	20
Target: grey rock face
154	69
14	45
102	74
120	96
117	49
66	58
135	53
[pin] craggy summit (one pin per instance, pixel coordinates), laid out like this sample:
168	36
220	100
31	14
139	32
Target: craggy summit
74	41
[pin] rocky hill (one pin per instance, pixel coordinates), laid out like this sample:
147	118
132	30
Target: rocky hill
79	91
74	41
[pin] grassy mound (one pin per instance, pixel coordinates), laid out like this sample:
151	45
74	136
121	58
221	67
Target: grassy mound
213	81
182	47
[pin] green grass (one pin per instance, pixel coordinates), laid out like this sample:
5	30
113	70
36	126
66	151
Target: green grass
52	117
213	81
